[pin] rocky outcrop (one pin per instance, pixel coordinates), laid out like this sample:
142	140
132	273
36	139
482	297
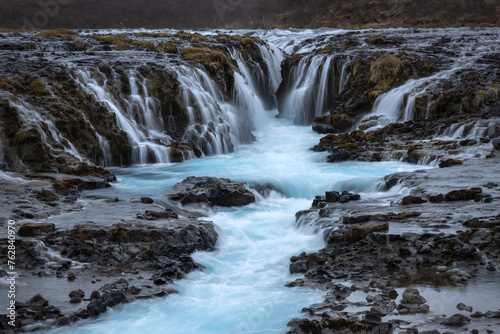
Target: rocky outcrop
212	191
96	110
369	246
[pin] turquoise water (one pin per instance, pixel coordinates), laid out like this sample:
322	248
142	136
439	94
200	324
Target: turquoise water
243	288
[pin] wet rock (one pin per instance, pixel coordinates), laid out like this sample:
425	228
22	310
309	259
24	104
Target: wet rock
359	232
63	321
147	200
462	194
35	303
114	200
45	196
212	191
62	265
338	154
32	229
412	302
450	163
115	297
456	320
463	307
492	314
436	198
71	277
408	200
496	143
76	296
390	292
96	307
156	215
477	314
412	296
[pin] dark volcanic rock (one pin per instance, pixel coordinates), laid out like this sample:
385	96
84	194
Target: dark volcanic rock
456	320
450	163
31	229
155	215
496	143
212	191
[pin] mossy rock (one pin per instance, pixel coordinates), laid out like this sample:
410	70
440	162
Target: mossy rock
154	34
384	71
32	229
62	33
79	45
245	40
210	59
37	87
113	39
144	44
123	47
166	48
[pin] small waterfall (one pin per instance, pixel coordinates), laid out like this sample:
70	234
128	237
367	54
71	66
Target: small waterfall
344	75
139	119
308	89
273	57
49	134
213	123
471	130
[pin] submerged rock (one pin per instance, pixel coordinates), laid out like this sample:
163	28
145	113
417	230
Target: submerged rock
212	191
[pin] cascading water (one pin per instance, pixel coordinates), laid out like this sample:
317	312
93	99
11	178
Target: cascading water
242	289
308	89
49	134
139	119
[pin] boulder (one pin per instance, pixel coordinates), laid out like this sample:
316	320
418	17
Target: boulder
212	191
407	200
456	320
462	194
32	229
450	163
496	143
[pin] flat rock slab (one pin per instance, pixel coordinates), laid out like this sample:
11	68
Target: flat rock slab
212	191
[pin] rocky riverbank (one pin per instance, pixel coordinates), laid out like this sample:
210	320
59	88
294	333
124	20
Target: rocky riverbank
415	261
72	271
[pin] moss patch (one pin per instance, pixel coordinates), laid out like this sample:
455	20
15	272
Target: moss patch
62	33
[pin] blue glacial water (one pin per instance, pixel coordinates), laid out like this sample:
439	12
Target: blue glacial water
242	289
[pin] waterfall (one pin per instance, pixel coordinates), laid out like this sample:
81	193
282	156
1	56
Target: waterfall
213	123
273	57
51	137
139	119
308	89
344	75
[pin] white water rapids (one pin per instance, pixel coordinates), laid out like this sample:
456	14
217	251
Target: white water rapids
243	288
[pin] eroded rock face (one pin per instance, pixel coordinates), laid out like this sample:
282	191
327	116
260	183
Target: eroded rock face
212	191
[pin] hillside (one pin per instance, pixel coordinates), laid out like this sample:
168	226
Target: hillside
196	14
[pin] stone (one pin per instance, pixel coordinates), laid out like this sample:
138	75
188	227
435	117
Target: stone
436	198
114	200
496	143
462	194
76	296
463	307
71	277
157	215
96	307
212	191
408	200
147	200
450	163
63	321
456	320
33	229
